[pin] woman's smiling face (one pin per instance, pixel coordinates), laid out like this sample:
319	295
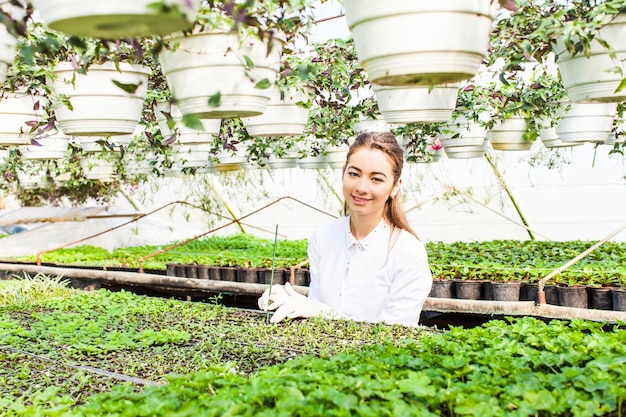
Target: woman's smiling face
368	182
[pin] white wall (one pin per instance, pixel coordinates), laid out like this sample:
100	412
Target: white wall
575	201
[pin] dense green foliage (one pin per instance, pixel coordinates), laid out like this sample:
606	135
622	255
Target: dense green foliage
525	368
58	350
491	260
530	260
119	354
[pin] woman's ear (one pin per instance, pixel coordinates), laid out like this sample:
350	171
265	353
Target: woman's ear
395	189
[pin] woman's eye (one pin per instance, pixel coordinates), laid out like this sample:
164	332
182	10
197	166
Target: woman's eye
375	179
353	174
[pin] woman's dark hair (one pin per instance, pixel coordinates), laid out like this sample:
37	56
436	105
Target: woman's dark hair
387	143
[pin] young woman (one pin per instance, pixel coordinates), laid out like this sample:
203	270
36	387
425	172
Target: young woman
368	265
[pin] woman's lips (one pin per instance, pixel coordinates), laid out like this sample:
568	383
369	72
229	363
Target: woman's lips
359	200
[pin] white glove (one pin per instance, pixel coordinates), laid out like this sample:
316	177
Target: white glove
289	303
264	300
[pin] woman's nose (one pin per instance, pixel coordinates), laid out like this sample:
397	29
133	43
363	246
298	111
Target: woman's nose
361	185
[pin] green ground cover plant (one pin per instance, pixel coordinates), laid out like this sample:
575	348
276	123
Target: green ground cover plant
58	349
120	354
491	260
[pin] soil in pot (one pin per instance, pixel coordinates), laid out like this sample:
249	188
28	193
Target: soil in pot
228	273
552	294
573	296
506	291
619	299
528	291
301	277
487	291
191	271
468	289
203	271
181	271
442	288
265	276
215	273
170	270
248	275
600	298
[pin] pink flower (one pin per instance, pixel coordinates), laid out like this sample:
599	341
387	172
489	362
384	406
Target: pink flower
436	145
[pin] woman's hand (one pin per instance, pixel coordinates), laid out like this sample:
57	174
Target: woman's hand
289	303
264	300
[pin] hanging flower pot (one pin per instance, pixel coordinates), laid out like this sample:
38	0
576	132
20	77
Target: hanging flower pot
8	42
288	160
103	143
104	101
8	45
336	155
509	135
31	181
220	74
371	125
19	114
232	158
550	137
194	155
406	42
96	167
586	122
463	138
416	103
50	147
282	117
168	113
596	78
115	19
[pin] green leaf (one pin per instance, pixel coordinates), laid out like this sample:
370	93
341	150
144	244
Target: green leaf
417	384
192	121
249	62
214	100
621	86
129	88
264	84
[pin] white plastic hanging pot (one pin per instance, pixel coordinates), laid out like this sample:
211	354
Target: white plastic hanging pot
231	159
509	135
100	106
18	111
370	125
8	43
336	155
288	160
8	50
186	135
116	19
550	138
95	168
282	117
416	103
32	181
464	139
103	143
194	155
51	147
408	42
586	122
209	77
594	78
